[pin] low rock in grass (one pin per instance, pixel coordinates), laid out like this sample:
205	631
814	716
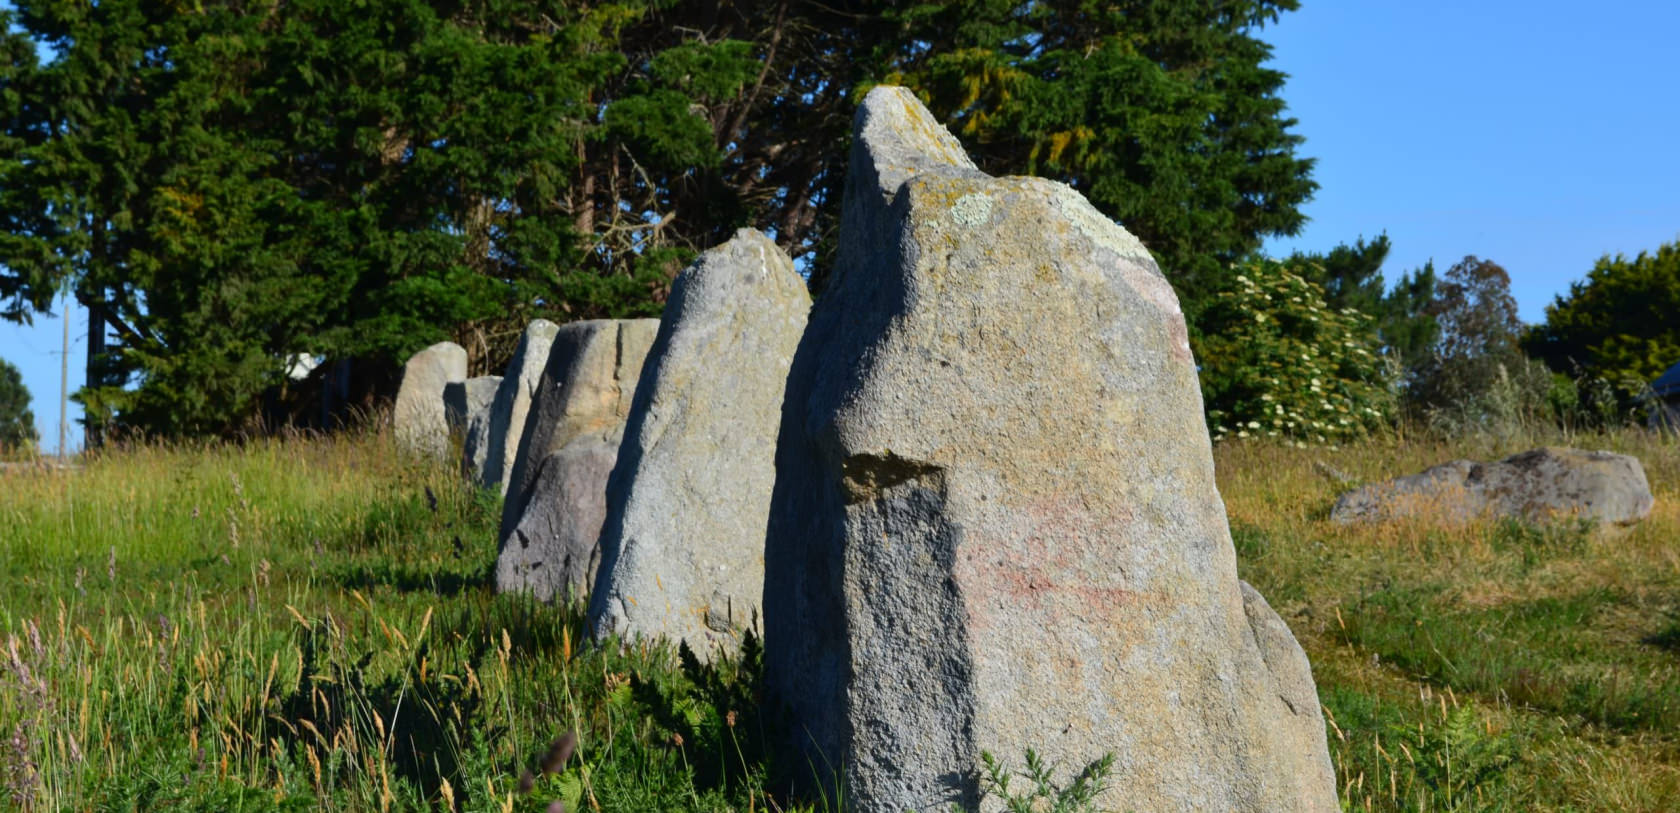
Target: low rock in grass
1541	485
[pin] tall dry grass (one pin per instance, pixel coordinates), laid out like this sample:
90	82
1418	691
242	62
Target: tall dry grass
1481	666
310	623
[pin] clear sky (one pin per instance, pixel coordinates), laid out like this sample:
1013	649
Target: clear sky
35	352
1541	135
1538	134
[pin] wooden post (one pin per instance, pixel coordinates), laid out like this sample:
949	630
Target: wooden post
64	382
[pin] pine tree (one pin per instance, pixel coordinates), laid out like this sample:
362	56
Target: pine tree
235	185
224	186
1351	276
1159	111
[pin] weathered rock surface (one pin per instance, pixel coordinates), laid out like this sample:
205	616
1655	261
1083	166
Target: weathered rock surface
995	523
683	545
468	404
420	419
552	552
1540	485
1308	781
513	402
556	500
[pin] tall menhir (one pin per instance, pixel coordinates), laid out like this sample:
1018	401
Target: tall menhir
995	524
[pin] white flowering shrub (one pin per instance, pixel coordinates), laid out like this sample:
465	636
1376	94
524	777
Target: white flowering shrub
1275	362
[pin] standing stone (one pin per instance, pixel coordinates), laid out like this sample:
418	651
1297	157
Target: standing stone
513	402
556	500
995	524
420	420
469	405
682	552
1539	485
463	399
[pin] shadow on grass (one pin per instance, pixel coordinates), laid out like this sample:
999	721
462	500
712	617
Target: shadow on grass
431	729
1540	652
1668	640
424	727
409	578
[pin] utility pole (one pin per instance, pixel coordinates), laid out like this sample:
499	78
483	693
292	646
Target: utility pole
64	381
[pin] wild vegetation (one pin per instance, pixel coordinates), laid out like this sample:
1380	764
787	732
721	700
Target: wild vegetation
1279	362
308	623
17	421
1617	324
223	190
1496	667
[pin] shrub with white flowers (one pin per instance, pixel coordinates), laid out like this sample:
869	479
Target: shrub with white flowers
1275	362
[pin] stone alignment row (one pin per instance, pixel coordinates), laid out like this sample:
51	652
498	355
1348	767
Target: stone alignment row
971	489
556	498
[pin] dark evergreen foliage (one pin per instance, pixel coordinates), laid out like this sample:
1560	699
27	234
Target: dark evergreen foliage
228	185
1350	275
1405	321
1159	111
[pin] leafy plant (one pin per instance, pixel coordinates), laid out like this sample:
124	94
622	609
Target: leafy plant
711	710
1434	753
1476	377
1043	794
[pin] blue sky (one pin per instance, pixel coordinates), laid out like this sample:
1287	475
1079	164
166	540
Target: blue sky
1538	134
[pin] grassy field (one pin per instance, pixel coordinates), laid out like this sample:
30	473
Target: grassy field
309	624
1496	667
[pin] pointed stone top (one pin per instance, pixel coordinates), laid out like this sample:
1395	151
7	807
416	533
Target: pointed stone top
895	138
745	278
447	351
541	329
750	251
746	243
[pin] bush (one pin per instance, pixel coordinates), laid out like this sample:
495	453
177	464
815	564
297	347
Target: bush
1276	362
17	423
1617	325
1476	377
1516	394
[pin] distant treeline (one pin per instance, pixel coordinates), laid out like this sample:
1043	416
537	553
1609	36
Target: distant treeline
228	185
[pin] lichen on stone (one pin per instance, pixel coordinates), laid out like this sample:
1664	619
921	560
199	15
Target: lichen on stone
1097	228
972	210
